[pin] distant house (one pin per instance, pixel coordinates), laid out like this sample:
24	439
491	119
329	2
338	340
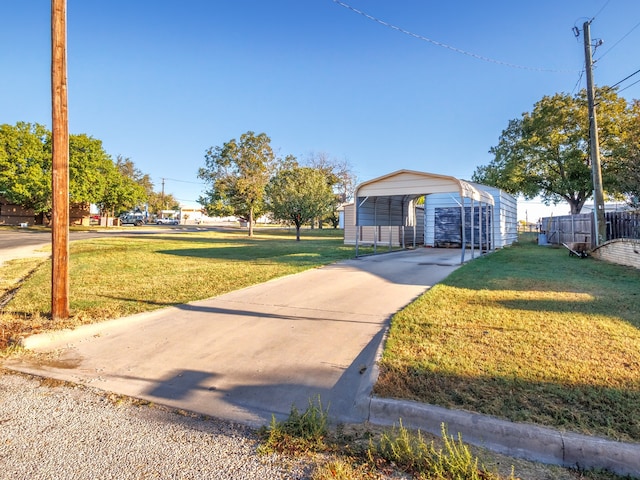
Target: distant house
13	214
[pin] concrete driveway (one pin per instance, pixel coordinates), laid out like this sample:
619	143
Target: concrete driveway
255	352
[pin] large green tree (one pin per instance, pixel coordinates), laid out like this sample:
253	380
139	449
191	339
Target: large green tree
237	173
297	195
89	165
25	165
25	171
546	151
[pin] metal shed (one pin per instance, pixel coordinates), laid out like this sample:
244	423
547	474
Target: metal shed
390	200
443	207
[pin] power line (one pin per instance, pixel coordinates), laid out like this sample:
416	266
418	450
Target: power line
578	82
600	11
628	86
616	44
184	181
444	45
626	78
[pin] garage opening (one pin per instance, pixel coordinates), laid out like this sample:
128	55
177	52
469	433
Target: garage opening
390	203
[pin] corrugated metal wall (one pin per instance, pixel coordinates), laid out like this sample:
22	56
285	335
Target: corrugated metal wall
381	234
505	217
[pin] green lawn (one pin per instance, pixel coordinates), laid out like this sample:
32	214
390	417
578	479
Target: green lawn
116	276
527	333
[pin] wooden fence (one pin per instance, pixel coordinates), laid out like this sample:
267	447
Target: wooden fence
579	228
568	229
623	225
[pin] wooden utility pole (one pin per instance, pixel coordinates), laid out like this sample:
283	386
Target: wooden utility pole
60	163
596	170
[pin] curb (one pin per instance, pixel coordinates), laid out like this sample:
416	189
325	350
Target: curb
38	340
518	440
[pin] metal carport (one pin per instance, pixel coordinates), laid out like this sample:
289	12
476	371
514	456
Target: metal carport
390	200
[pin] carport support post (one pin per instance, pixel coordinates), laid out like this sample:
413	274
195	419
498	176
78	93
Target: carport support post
375	225
480	228
487	219
473	243
355	220
390	227
464	234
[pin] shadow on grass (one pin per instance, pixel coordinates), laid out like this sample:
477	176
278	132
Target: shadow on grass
254	256
611	289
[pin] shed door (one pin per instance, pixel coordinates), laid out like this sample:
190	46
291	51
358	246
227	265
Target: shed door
448	233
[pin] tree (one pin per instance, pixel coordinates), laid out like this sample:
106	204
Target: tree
158	201
238	173
298	195
629	174
25	171
89	165
546	152
341	179
120	192
128	169
25	165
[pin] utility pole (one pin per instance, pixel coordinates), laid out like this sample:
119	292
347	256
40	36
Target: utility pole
60	163
596	170
162	196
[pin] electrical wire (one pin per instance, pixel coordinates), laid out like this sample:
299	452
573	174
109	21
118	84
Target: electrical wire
579	80
184	181
600	11
625	78
444	45
616	44
628	86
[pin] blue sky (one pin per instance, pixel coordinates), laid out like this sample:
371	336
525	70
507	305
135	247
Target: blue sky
160	82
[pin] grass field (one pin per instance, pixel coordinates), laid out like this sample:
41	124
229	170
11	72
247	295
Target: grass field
527	333
118	276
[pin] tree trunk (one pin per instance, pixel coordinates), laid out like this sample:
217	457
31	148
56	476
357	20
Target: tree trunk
298	225
576	205
251	221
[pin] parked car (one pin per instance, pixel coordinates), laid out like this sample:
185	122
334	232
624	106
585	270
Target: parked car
167	221
136	219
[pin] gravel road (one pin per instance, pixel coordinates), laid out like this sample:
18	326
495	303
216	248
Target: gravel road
50	430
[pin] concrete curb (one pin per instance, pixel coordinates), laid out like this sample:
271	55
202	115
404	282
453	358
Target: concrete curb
519	440
33	342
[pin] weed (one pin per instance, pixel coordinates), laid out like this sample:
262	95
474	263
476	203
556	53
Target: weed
397	449
299	433
344	469
413	454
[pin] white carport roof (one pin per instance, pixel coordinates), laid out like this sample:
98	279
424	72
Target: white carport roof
390	200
